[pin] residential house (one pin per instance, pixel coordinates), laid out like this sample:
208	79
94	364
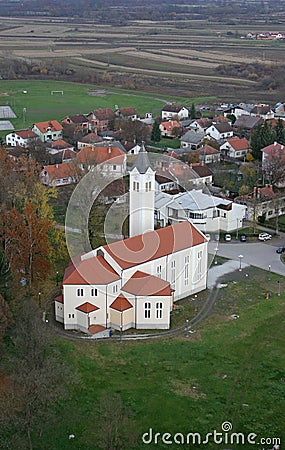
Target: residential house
208	154
112	159
133	283
263	203
50	130
79	122
165	183
235	147
273	156
200	124
22	138
170	128
128	113
208	213
247	124
58	175
170	111
88	140
58	145
219	131
101	119
192	140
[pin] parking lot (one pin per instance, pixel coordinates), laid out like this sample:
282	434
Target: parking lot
259	254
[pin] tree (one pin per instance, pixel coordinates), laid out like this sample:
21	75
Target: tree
155	134
279	132
274	167
193	112
34	381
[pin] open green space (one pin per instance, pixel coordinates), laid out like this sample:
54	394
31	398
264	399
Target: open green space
229	370
38	104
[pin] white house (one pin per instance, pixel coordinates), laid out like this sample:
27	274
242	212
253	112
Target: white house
48	131
207	212
235	147
192	140
133	283
170	111
58	174
220	131
22	138
111	158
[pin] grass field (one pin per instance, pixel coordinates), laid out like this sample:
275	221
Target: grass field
229	370
77	98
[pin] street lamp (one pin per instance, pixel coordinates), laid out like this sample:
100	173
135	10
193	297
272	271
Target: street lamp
187	327
57	278
246	278
240	258
40	302
269	272
121	329
278	288
216	255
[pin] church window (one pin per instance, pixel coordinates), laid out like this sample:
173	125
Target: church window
199	265
186	270
147	308
80	292
159	310
136	186
158	271
115	289
94	292
148	186
173	273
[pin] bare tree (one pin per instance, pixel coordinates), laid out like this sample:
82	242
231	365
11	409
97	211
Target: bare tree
274	167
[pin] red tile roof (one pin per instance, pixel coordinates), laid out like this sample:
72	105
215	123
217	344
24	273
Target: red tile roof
128	111
90	138
147	285
155	244
172	108
54	125
273	148
208	150
238	143
87	307
100	154
121	303
102	114
90	271
170	124
60	144
93	329
59	299
57	171
26	134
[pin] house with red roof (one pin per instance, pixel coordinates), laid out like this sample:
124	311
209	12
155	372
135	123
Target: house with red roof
58	174
111	158
134	282
169	128
48	131
235	147
23	138
100	119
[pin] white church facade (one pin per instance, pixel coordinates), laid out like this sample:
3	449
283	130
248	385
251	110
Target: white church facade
134	283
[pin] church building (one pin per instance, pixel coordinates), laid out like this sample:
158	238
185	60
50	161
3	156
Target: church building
134	283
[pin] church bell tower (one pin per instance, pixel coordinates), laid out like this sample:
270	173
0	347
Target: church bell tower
142	189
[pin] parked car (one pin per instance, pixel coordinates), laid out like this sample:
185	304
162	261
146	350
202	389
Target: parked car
242	238
280	250
264	236
217	237
228	237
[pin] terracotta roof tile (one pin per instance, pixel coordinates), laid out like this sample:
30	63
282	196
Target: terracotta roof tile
238	143
90	271
121	303
57	171
87	307
93	329
102	114
170	124
154	244
100	154
54	125
144	284
91	138
59	299
26	134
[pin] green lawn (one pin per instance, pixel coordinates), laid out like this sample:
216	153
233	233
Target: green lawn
229	370
39	105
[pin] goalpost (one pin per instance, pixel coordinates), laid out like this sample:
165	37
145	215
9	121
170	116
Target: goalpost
56	92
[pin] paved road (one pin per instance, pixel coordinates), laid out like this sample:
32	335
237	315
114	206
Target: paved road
259	254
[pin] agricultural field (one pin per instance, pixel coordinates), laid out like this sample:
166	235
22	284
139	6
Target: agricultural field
173	57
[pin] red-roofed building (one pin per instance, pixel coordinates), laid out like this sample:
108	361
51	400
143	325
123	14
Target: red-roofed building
111	158
235	147
169	128
23	138
101	119
58	174
134	282
48	131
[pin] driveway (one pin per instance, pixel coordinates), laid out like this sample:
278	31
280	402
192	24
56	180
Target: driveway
259	254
